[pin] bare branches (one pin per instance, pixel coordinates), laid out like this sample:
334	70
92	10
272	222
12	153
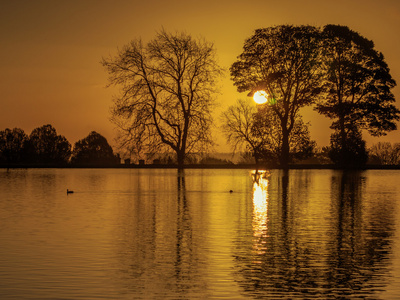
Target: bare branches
166	92
237	122
260	132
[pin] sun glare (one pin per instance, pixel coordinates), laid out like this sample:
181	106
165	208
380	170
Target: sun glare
260	97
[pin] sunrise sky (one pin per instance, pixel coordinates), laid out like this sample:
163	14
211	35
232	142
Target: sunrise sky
50	51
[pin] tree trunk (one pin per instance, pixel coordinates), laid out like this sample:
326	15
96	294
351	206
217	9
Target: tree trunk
284	158
342	131
181	158
341	118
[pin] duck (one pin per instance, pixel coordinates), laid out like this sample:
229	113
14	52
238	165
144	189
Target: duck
69	191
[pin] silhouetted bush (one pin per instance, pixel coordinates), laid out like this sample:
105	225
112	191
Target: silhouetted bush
44	147
47	148
93	150
353	154
13	146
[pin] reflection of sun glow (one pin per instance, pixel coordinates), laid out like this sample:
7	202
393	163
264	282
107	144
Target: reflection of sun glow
260	196
260	97
260	208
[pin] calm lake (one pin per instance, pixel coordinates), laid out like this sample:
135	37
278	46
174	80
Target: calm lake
160	234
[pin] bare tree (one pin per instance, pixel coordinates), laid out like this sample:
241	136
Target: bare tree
258	129
166	98
237	126
386	153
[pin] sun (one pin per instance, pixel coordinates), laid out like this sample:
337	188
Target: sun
260	97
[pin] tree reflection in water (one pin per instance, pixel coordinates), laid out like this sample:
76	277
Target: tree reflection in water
185	259
333	247
160	255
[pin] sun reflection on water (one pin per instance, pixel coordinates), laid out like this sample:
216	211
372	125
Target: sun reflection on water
260	209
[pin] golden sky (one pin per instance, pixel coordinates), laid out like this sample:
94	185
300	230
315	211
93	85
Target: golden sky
50	50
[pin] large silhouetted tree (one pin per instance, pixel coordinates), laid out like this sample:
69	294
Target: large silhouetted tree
93	150
358	91
47	147
13	146
284	61
166	98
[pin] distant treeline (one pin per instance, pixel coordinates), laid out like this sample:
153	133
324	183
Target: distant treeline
44	147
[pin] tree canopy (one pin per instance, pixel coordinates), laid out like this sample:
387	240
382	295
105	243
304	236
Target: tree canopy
44	147
93	150
284	62
166	98
13	146
333	67
47	147
358	88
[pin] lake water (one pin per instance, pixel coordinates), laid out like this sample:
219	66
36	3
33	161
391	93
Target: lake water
160	234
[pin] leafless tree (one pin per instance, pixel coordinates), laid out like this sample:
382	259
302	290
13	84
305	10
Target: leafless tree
386	153
167	94
258	129
237	126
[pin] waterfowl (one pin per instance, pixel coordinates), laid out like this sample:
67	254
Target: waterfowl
69	192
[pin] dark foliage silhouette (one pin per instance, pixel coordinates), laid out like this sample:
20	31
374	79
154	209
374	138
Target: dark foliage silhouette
13	146
358	90
266	126
350	154
93	150
47	147
44	147
283	61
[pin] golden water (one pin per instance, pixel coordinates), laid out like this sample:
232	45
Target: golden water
160	234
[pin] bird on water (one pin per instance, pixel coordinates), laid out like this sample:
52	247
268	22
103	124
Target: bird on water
69	191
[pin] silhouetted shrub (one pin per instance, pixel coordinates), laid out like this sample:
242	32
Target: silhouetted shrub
93	150
13	146
48	148
353	154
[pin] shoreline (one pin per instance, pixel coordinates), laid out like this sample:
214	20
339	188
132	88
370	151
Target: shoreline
203	166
